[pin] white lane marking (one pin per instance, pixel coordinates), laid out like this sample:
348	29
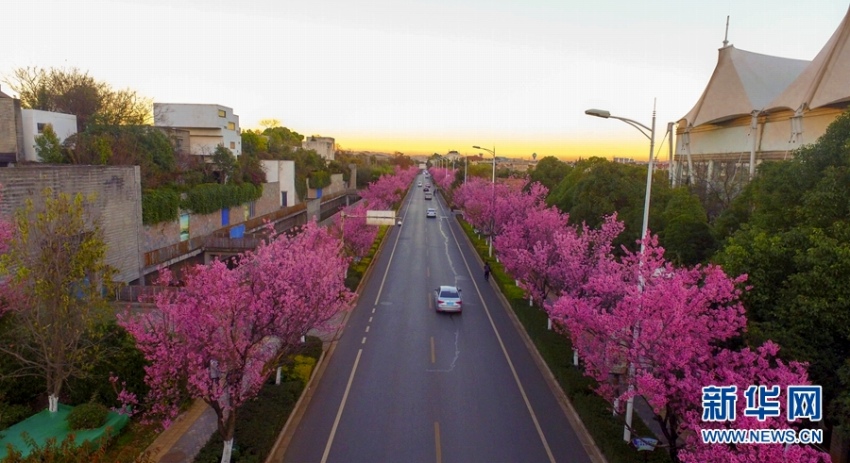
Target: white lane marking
363	341
341	406
367	328
389	263
370	319
507	357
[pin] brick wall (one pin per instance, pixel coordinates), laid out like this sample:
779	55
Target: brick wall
117	203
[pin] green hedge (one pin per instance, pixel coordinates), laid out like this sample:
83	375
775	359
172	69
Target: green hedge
320	179
556	350
207	198
160	205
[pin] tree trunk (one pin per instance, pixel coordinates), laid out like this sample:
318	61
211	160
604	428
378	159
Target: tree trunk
228	449
53	403
226	428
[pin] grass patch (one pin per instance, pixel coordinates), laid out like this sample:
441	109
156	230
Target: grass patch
556	350
259	422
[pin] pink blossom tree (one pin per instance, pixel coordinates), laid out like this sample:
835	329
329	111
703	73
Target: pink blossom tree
443	177
529	251
224	332
662	329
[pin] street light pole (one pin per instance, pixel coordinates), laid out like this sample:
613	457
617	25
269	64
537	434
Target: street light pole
493	209
648	132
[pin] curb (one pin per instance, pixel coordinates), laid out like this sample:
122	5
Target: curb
566	405
167	439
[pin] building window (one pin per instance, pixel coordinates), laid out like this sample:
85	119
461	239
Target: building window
40	127
233	145
250	210
184	227
222	113
231	126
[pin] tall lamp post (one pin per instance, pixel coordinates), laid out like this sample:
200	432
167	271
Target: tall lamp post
493	209
648	132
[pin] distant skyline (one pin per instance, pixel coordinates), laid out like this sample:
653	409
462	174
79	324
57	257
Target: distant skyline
421	77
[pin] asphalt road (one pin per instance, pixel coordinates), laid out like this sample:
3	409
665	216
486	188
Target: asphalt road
407	384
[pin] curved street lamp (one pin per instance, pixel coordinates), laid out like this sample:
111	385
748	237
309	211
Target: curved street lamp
493	209
648	132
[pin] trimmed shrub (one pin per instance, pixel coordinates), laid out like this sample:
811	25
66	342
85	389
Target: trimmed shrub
87	416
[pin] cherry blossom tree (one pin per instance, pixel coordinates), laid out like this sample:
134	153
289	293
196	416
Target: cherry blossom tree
356	235
663	330
443	177
222	334
529	252
387	191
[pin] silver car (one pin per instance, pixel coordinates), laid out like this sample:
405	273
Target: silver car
447	299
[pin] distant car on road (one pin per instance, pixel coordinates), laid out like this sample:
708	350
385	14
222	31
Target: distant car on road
429	196
447	299
420	184
431	212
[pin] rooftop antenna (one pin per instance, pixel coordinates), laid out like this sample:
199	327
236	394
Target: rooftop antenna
726	37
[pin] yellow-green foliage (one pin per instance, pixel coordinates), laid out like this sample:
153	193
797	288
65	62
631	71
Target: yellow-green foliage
302	367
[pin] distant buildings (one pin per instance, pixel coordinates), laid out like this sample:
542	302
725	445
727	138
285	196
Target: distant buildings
323	146
208	125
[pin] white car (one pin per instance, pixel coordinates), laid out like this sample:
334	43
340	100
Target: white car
448	299
420	184
431	212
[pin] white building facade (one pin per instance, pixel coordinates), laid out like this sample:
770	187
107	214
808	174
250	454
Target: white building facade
33	122
282	173
209	125
323	146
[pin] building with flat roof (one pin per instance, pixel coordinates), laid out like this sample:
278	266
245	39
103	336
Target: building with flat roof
209	125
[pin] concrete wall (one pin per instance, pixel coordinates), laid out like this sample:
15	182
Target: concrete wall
64	125
168	233
117	203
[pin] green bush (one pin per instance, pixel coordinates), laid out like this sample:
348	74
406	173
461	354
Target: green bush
12	413
160	205
207	198
87	416
301	368
320	179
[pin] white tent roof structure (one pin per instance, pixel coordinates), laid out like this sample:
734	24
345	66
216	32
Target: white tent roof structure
742	82
825	81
